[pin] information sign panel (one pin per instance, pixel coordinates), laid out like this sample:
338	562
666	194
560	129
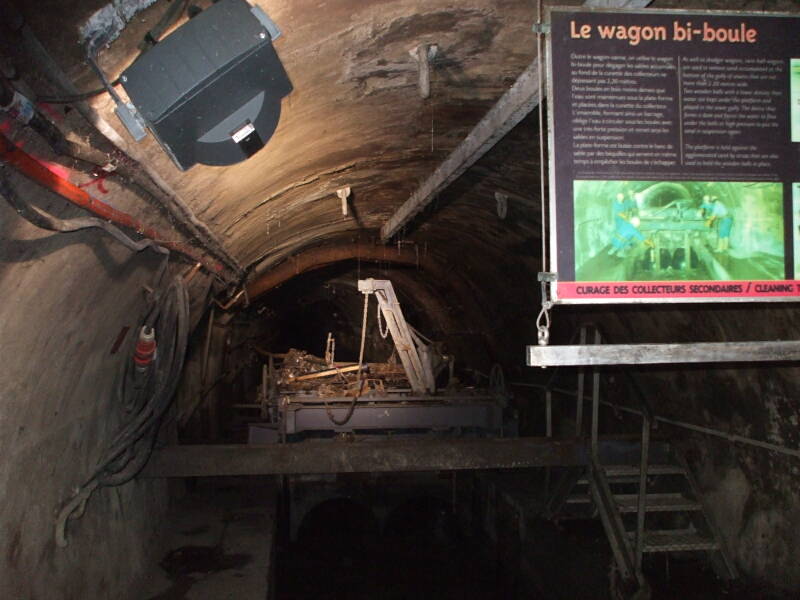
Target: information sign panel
674	156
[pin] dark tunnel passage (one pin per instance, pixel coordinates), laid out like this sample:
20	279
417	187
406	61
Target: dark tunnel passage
301	312
417	550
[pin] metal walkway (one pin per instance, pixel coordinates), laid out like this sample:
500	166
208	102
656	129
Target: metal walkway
668	517
645	495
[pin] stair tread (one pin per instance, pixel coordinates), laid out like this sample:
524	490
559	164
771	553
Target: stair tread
630	473
617	479
625	470
578	499
656	502
675	540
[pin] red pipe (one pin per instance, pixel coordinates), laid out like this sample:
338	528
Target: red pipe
31	167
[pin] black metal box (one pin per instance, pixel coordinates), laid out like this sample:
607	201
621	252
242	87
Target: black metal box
211	91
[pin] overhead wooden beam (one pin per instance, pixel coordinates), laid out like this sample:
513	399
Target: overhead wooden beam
653	354
512	107
315	457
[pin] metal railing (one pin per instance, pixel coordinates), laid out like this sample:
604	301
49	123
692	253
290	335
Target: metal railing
629	559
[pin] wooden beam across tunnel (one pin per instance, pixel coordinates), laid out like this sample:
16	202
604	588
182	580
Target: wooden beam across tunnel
317	457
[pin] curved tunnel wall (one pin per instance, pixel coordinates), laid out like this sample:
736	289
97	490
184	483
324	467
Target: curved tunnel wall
65	299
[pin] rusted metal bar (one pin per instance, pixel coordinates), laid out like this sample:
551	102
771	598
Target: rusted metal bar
330	372
364	457
207	349
191	272
230	302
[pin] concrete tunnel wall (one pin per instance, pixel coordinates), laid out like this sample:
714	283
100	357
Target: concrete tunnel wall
65	299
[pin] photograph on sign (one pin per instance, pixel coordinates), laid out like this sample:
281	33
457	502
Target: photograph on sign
674	155
678	230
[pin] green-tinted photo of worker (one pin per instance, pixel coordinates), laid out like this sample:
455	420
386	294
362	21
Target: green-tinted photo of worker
678	230
715	213
626	233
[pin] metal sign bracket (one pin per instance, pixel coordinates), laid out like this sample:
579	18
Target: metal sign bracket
546	280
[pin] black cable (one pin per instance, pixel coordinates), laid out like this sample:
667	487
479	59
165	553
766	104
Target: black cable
169	318
151	38
39	218
351	409
69	99
92	46
173	12
146	396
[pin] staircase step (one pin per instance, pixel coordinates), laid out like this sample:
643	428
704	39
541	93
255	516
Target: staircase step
633	470
578	499
630	473
675	540
615	479
629	503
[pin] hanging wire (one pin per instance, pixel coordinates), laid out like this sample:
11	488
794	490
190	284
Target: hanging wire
543	320
539	52
382	322
359	383
432	77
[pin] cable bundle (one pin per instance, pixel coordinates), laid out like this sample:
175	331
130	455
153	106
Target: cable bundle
145	394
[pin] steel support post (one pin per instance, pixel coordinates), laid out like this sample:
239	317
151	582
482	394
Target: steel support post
595	400
642	504
581	391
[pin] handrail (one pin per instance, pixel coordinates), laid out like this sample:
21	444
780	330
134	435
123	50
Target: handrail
558	370
641	510
731	437
582	332
624	559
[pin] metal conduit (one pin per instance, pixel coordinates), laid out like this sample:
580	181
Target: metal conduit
36	171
